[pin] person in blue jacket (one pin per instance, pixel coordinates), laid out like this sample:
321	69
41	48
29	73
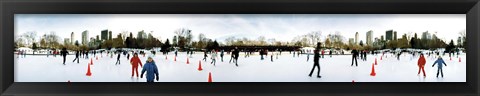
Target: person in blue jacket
440	63
151	69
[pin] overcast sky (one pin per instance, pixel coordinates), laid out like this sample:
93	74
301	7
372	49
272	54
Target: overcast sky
282	27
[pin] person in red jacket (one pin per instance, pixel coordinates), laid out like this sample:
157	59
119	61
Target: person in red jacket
421	65
135	61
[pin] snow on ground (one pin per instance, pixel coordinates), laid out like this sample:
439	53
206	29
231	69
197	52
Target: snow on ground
286	68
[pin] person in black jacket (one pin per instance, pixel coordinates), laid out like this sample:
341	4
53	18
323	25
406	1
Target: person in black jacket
236	54
118	59
316	62
77	53
354	57
64	53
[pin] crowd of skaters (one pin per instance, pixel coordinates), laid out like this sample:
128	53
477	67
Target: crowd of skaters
152	70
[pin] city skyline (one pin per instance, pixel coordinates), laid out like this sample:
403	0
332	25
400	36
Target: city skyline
282	27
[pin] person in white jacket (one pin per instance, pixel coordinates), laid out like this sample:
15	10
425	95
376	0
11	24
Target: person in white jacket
213	57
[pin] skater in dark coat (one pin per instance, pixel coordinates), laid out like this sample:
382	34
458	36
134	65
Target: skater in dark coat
118	59
221	55
354	57
128	55
236	53
205	55
64	53
316	62
77	53
151	69
330	53
271	57
440	63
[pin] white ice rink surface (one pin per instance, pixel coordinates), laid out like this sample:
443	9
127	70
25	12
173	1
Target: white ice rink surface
284	69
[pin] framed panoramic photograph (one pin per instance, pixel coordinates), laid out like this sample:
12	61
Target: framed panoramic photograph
240	47
232	47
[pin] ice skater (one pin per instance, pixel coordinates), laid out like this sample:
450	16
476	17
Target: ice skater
440	63
421	65
236	53
128	55
221	55
135	61
151	69
330	53
271	57
323	52
118	59
77	53
213	57
231	57
316	64
308	56
205	55
176	53
354	57
64	53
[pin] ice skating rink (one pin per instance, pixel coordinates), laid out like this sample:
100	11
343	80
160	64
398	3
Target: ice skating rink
286	68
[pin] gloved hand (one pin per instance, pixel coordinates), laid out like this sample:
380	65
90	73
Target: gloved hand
157	78
141	76
432	65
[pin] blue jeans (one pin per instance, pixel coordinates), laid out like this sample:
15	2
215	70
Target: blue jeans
149	80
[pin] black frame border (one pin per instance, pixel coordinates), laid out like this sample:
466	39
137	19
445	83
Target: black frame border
11	7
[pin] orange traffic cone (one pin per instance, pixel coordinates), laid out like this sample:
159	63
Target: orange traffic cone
188	61
174	58
91	61
373	71
209	76
199	66
88	71
375	61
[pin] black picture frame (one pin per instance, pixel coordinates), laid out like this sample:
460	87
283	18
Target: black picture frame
10	7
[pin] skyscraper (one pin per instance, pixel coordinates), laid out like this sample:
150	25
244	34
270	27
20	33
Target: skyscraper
71	37
104	34
109	35
356	38
85	37
394	35
351	41
389	35
369	37
141	35
426	36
